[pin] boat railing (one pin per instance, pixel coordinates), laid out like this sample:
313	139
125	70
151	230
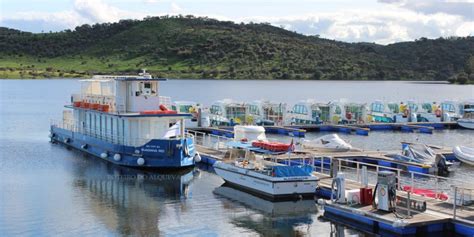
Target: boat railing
165	100
105	134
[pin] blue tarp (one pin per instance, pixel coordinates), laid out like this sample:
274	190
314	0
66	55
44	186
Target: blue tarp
291	171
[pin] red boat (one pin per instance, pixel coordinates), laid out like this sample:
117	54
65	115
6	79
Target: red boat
426	193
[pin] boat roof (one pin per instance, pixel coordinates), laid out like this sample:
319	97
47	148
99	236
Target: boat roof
185	102
135	114
107	78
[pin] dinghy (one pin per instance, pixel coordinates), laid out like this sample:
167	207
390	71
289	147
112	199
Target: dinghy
329	143
464	154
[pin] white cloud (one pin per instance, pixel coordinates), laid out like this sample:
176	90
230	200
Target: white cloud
175	8
388	26
463	8
83	12
393	21
96	10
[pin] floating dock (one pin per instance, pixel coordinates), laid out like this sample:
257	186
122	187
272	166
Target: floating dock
229	131
294	132
437	215
357	129
379	158
364	129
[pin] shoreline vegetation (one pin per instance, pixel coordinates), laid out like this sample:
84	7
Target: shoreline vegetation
188	47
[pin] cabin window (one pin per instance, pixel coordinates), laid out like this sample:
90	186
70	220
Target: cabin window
300	109
253	109
338	110
215	110
394	108
146	89
185	108
427	107
413	107
376	107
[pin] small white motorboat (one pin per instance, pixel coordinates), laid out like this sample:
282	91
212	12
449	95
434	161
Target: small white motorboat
467	120
464	154
466	123
269	180
330	143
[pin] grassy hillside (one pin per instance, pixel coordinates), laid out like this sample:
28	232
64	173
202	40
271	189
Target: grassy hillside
188	47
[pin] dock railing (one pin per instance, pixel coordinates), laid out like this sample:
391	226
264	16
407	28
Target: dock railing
211	141
459	192
459	201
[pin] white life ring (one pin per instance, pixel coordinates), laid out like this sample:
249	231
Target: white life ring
197	157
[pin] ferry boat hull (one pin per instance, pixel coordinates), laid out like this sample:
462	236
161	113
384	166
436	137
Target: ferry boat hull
272	188
154	154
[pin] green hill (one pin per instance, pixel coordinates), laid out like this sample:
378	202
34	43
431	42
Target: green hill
189	47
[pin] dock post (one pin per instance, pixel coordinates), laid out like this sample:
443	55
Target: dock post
412	181
409	203
358	176
334	167
322	165
454	202
437	187
399	179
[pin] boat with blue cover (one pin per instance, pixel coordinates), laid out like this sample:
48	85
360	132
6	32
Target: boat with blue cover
123	119
251	169
267	179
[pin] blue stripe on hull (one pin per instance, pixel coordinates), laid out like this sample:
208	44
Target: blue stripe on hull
156	153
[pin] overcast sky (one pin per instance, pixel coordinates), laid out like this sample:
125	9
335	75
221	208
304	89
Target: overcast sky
380	21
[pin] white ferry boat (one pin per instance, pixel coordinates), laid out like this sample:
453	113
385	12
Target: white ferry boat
391	112
266	113
227	113
122	119
335	112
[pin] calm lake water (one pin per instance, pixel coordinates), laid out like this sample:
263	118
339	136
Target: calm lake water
46	189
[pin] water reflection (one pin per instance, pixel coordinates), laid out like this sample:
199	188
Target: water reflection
271	218
128	201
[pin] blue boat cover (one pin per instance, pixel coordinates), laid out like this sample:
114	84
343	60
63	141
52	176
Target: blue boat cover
291	171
